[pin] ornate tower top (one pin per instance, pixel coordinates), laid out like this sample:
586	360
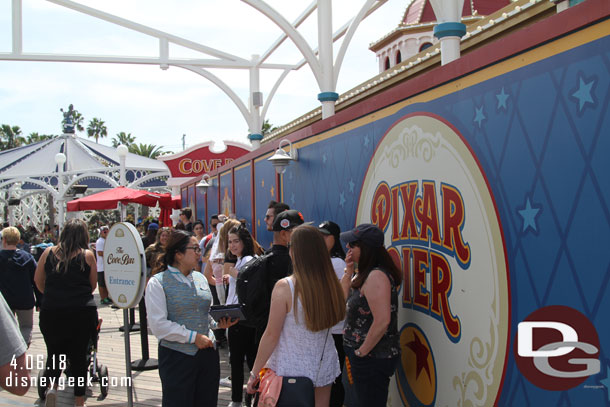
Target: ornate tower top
414	32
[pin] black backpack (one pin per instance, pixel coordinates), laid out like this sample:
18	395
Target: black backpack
252	291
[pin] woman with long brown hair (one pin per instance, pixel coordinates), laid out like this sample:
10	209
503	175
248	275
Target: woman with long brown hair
370	336
67	275
155	250
242	342
304	306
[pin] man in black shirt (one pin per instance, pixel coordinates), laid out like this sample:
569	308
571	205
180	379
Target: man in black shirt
185	218
279	264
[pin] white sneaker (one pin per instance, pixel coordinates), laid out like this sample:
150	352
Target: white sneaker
234	404
51	398
226	382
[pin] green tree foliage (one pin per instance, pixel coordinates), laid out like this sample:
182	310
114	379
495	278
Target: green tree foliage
97	129
10	137
147	150
123	138
35	137
267	127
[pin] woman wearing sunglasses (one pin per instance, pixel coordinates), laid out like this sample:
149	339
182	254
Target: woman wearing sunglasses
178	303
370	337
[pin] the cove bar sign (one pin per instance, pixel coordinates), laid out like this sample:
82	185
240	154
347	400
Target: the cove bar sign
124	265
201	159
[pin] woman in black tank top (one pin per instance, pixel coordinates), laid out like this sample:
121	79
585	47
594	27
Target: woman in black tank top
67	275
370	335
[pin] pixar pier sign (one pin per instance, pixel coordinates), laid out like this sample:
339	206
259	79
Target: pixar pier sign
425	189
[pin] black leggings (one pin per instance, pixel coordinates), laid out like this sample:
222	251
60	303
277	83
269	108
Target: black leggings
67	333
337	394
241	344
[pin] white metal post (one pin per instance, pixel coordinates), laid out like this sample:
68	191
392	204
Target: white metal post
17	27
60	160
256	125
325	47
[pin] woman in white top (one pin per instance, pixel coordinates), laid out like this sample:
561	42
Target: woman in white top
304	307
331	231
242	339
214	267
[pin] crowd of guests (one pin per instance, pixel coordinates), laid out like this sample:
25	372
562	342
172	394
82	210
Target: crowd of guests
327	315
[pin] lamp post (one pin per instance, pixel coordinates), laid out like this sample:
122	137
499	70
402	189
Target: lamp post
122	152
60	160
281	159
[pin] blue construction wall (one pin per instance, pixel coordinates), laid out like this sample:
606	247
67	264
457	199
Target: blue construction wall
243	194
226	193
212	197
539	133
265	190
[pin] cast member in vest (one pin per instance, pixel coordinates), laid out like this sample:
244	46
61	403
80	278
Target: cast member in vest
67	275
178	302
370	336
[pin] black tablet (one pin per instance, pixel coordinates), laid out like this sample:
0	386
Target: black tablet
232	311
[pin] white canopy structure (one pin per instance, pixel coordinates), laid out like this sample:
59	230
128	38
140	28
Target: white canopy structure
54	167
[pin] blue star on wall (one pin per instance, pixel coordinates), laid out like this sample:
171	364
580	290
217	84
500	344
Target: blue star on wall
583	94
351	186
342	199
478	115
502	98
606	381
529	214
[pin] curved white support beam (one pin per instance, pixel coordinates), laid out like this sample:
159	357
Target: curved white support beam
365	11
272	93
224	87
103	177
147	178
145	30
292	33
299	20
44	185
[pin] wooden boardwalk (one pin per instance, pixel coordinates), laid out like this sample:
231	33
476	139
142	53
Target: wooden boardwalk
111	352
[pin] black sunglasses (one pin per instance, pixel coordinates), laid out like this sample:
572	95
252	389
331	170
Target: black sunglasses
351	245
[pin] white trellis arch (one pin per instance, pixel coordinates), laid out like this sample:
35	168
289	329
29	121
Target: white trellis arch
320	59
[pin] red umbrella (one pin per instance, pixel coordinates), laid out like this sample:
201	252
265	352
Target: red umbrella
110	198
175	202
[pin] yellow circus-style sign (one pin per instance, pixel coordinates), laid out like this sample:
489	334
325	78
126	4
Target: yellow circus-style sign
426	190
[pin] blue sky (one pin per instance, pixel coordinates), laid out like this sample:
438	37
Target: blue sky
158	106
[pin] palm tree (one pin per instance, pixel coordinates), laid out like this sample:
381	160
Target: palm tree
267	128
97	128
35	137
10	137
123	138
147	150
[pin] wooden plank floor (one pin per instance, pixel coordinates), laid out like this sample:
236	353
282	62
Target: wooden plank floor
111	352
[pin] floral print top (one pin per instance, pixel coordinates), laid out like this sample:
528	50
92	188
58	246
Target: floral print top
359	319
